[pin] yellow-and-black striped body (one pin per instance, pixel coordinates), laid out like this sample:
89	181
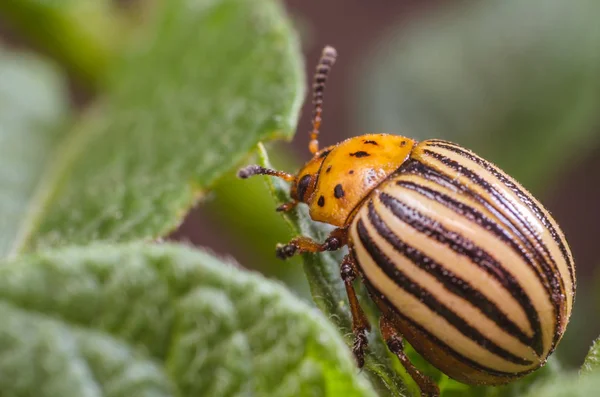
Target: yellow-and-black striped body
475	272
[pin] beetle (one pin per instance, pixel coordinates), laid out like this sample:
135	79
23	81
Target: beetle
461	260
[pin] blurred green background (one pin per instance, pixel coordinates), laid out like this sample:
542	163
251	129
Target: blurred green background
518	82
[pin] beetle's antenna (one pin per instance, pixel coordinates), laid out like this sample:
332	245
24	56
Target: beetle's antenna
252	170
325	63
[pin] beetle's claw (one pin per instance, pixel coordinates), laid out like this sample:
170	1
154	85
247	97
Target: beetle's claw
285	207
332	244
285	251
358	349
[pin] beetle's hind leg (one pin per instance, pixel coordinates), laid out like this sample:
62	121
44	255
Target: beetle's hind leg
336	240
394	342
360	323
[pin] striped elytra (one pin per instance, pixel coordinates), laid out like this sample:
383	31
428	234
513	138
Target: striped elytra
469	260
461	260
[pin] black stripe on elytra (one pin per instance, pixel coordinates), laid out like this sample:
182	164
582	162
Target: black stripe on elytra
548	277
424	296
461	246
520	193
482	258
557	282
521	245
441	344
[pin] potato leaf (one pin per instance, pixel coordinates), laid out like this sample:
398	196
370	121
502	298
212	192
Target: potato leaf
592	360
166	320
33	105
185	105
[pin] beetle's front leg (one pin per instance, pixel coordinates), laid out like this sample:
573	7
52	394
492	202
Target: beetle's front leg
336	240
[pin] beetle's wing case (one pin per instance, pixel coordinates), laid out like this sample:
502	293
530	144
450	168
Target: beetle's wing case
477	271
512	203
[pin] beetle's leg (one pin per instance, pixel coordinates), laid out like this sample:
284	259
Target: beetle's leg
336	240
360	323
394	342
285	207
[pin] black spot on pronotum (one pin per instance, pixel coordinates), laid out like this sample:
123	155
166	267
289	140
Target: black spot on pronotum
324	154
328	169
351	172
321	201
338	191
302	186
403	143
371	142
360	154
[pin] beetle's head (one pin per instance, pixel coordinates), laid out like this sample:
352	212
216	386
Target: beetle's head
305	182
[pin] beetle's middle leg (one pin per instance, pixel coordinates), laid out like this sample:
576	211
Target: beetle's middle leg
336	240
360	323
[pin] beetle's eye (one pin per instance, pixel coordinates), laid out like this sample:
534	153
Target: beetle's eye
303	185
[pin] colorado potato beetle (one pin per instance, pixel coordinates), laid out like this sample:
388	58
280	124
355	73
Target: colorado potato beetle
461	260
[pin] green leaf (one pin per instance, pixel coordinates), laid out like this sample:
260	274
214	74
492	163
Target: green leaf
239	218
328	291
516	81
33	105
592	360
185	106
568	386
161	320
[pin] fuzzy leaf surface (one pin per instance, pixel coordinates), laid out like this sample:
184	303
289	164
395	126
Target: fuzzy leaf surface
592	360
188	102
161	320
33	105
